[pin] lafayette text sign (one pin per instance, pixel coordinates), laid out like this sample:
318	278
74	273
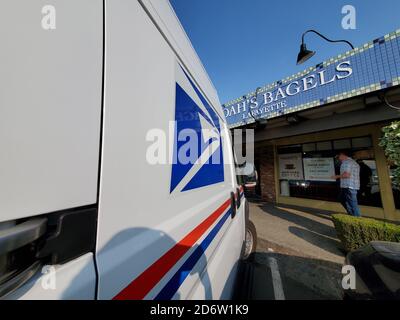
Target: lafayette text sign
275	100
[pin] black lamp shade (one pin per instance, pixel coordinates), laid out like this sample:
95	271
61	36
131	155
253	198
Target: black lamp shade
304	54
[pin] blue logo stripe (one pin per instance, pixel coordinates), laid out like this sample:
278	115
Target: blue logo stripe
206	104
189	148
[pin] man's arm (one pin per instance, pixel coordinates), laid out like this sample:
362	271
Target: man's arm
344	175
346	172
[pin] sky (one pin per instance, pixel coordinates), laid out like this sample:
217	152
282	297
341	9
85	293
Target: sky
245	44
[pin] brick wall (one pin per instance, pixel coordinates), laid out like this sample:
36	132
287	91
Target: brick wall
267	173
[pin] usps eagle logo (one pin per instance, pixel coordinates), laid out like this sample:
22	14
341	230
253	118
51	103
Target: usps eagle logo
197	155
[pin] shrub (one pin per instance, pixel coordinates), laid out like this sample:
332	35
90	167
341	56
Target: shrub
356	232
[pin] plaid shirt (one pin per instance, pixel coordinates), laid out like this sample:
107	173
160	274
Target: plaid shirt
353	168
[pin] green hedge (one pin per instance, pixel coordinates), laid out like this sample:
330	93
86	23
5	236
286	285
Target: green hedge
356	232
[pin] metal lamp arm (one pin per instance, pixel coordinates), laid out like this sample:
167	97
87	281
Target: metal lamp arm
325	38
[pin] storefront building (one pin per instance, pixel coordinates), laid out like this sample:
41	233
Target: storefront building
301	123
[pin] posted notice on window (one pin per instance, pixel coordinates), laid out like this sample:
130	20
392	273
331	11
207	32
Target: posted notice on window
319	169
291	167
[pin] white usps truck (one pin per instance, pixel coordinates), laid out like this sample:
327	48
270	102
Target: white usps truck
95	203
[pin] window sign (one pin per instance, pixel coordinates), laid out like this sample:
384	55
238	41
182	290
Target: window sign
318	166
290	166
319	169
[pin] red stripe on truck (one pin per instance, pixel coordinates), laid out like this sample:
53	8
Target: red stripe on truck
146	281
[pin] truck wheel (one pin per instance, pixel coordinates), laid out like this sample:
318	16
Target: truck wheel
250	242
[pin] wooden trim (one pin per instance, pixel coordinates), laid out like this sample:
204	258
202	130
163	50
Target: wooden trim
276	174
385	183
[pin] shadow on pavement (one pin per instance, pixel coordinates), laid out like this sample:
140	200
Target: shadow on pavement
321	213
290	215
303	245
325	243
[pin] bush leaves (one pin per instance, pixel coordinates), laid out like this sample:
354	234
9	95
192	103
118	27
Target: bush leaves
355	232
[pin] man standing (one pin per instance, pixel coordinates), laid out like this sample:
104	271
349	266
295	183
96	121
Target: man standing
349	183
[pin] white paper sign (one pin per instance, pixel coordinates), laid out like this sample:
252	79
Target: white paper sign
290	166
319	169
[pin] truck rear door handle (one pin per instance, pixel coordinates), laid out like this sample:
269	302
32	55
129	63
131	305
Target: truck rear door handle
233	205
22	234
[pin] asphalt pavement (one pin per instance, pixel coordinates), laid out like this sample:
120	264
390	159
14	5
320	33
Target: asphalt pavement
298	255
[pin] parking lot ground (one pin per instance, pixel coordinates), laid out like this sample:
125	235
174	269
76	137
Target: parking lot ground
298	255
263	287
